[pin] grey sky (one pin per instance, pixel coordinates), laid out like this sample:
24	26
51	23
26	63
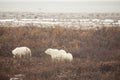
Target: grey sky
60	5
60	0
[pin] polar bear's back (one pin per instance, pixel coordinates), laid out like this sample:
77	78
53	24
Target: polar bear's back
21	51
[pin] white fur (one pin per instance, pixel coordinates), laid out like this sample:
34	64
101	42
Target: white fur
21	52
60	55
69	56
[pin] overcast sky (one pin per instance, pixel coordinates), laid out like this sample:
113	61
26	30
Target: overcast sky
61	5
60	0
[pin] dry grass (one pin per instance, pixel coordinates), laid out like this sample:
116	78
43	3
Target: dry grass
96	53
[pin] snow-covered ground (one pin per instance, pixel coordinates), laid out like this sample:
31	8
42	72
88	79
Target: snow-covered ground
74	20
77	23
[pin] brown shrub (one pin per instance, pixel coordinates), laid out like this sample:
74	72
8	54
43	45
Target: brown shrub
101	44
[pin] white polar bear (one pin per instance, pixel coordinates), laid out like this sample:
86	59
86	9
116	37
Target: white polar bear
20	52
59	55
